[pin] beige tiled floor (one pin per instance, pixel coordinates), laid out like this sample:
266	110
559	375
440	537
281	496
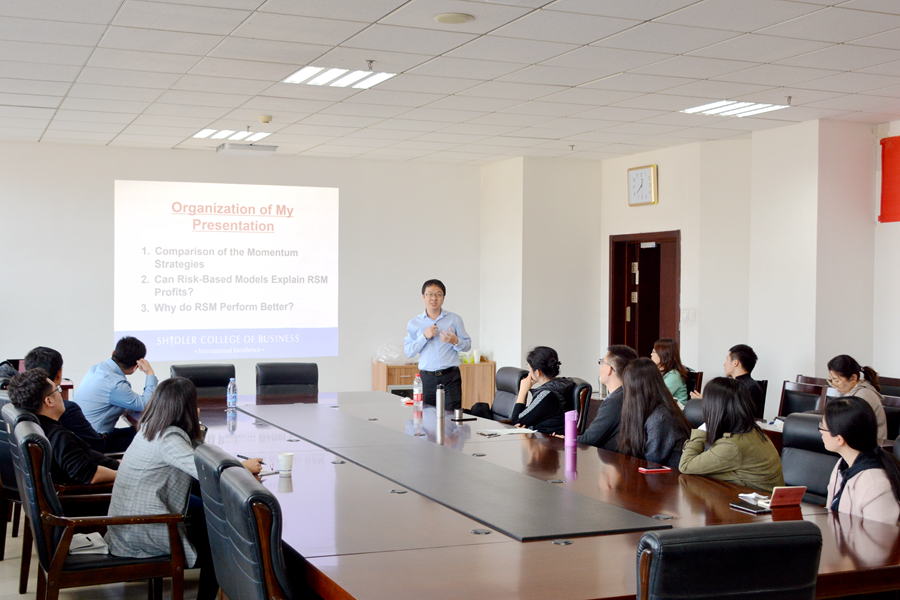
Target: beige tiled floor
9	580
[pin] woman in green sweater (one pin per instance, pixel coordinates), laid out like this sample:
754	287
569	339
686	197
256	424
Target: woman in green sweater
668	358
732	448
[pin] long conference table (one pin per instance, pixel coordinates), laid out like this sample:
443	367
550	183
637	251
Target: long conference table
370	536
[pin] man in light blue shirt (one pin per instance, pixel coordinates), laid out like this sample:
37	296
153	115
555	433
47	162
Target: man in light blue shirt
438	337
105	394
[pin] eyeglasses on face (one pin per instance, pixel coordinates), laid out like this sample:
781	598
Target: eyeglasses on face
603	362
823	429
431	295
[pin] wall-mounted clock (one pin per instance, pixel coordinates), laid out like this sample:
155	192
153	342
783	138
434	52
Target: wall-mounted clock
642	186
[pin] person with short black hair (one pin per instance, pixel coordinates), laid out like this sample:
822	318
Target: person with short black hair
73	418
866	479
732	448
73	460
852	379
437	336
603	431
551	395
105	394
739	363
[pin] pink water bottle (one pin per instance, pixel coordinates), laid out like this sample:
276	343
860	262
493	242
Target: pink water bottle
571	431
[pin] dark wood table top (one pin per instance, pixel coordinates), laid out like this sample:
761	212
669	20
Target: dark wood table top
355	533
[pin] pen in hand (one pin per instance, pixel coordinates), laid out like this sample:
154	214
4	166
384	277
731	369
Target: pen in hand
261	462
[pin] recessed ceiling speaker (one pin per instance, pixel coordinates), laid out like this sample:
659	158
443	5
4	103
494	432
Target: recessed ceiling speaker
453	18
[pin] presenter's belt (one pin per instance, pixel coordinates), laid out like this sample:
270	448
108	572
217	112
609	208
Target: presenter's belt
444	370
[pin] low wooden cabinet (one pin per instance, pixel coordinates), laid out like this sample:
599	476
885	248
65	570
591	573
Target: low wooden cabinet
478	382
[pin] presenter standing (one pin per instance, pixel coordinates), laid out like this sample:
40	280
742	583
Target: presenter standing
438	337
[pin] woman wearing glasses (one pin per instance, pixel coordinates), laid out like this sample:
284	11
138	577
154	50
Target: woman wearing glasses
732	448
850	379
667	357
866	480
653	427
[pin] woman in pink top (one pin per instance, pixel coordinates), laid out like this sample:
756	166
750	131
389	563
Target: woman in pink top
866	480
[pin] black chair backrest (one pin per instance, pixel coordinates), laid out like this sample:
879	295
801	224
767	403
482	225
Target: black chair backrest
254	521
581	397
12	416
897	447
694	381
892	416
211	462
801	397
804	459
812	380
739	562
38	494
890	386
211	381
507	381
287	379
693	411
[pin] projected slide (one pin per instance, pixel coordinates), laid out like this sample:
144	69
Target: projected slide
207	271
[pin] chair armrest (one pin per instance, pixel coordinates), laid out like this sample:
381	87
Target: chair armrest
120	520
71	489
107	498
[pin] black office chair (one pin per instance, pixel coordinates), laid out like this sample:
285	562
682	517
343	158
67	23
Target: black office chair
693	412
751	561
286	379
508	380
694	381
804	459
53	532
801	397
253	518
10	488
764	384
211	381
581	397
211	462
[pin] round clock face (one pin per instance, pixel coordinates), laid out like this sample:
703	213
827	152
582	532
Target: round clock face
641	186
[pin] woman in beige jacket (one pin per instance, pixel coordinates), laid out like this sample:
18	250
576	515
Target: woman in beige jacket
866	480
850	379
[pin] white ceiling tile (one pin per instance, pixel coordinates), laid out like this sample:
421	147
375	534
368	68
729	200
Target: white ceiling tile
683	120
643	129
888	39
667	38
196	123
40	124
391	98
238	4
799	114
892	68
159	130
309	92
94	104
40	88
592	97
350	10
52	136
836	25
473	103
508	141
53	54
29	100
844	57
666	102
339	120
852	83
450	138
855	102
643	11
512	50
153	40
279	118
637	83
364	110
890	92
382	134
113	92
570	126
738	15
442	116
548	109
268	51
409	125
211	112
88	116
145	79
479	129
143	143
716	89
775	75
221	85
611	60
132	60
445	66
553	26
384	61
202	99
38	72
142	139
306	30
173	17
317	130
694	66
554	76
618	113
779	96
244	69
237	124
361	142
407	39
761	48
269	104
708	133
866	117
25	112
513	91
95	11
512	120
756	123
421	13
883	6
34	30
424	83
536	132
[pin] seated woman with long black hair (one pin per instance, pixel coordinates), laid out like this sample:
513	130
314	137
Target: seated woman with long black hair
551	395
733	448
866	479
653	426
667	357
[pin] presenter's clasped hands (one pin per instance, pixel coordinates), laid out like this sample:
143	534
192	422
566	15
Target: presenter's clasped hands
449	337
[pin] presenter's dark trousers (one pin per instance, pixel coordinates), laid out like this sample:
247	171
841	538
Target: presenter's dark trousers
452	382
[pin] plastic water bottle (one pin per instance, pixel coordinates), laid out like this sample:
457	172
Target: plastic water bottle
231	394
417	397
231	420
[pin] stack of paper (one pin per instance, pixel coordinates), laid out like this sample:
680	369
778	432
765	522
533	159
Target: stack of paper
88	543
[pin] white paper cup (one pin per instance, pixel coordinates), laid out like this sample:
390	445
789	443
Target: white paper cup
285	462
285	484
477	354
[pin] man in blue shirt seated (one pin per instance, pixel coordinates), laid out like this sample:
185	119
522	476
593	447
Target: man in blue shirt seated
72	419
73	460
105	394
438	337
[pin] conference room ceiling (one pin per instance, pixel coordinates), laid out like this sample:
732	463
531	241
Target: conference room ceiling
568	79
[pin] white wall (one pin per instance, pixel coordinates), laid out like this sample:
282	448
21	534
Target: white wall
886	317
400	224
562	269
